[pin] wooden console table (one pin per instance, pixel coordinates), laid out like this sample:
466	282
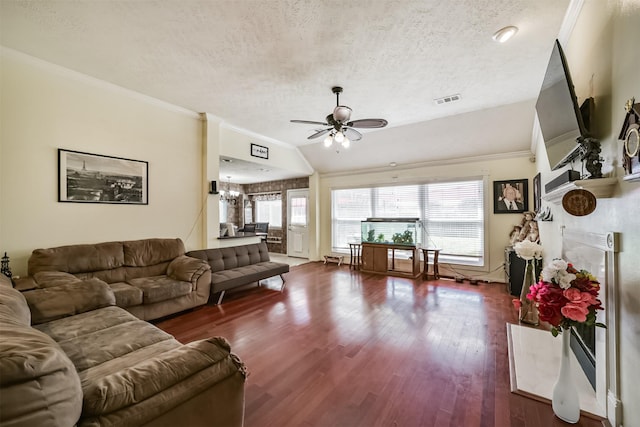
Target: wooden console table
376	259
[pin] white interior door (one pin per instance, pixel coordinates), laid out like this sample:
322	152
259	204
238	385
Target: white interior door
298	223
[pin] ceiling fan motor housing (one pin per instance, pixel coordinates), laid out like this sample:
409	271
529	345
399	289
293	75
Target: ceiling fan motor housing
341	114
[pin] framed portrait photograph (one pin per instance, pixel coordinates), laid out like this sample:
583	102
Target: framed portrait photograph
94	178
511	196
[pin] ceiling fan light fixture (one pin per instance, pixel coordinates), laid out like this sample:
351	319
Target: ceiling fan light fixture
341	114
504	34
328	141
346	143
339	137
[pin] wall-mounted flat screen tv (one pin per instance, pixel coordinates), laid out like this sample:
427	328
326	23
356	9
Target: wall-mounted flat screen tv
558	112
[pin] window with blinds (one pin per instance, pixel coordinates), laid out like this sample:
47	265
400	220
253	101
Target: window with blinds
452	214
269	209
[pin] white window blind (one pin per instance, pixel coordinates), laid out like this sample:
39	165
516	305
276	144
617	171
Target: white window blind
269	209
452	214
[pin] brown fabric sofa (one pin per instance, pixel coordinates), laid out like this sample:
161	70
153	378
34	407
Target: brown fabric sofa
77	359
150	278
238	266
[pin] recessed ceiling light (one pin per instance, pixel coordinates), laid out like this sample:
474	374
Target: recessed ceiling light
393	164
504	34
227	160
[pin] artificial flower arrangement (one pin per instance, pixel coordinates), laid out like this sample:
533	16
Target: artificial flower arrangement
528	250
566	297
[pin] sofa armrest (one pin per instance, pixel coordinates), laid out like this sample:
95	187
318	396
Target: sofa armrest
60	301
187	269
209	361
25	283
47	279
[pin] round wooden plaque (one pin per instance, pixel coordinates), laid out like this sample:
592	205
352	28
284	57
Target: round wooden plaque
579	202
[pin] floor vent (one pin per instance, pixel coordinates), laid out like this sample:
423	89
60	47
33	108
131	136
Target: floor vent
447	99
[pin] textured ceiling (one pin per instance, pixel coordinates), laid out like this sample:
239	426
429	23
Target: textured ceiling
258	64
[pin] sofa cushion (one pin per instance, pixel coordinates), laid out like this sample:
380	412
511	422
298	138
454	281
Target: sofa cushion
13	305
251	273
77	258
142	253
95	337
160	288
39	385
126	295
151	377
67	300
113	275
237	256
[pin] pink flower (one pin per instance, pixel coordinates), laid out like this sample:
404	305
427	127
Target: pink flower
517	303
576	296
577	312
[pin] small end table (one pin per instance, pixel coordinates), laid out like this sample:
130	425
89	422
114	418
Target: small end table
355	260
425	255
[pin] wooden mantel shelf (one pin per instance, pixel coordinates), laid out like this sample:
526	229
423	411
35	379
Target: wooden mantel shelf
602	188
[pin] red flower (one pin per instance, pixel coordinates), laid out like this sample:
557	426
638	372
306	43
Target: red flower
563	308
551	314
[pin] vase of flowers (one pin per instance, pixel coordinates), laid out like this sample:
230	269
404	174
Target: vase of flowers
566	297
528	251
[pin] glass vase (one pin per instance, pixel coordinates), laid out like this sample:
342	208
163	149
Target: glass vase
565	400
528	311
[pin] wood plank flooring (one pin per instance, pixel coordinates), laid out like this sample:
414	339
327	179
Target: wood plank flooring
343	348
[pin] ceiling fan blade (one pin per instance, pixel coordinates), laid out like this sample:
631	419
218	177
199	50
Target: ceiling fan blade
352	134
368	123
319	133
308	122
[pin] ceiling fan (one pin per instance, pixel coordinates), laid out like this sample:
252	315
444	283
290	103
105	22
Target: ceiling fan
340	129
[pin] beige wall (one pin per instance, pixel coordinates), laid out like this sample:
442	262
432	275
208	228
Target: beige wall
493	169
236	143
604	61
44	108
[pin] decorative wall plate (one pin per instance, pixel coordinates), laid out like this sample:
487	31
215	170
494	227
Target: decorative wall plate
579	202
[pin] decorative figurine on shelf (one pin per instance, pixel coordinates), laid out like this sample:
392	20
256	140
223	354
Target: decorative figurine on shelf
526	230
534	235
4	266
590	148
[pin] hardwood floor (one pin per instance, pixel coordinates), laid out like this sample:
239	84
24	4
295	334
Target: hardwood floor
343	348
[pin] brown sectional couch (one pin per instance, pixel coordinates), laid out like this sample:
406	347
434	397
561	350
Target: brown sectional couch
239	265
150	278
69	356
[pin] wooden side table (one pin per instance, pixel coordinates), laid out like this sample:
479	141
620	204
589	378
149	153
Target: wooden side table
425	255
355	252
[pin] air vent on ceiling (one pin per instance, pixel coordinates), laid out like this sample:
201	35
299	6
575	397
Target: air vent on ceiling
447	99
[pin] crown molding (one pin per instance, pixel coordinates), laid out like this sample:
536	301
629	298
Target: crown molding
445	162
569	21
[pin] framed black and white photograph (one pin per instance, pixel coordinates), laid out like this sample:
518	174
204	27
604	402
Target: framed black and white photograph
511	196
94	178
537	193
259	151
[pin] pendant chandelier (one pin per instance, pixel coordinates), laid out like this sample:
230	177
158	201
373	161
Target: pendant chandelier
228	195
